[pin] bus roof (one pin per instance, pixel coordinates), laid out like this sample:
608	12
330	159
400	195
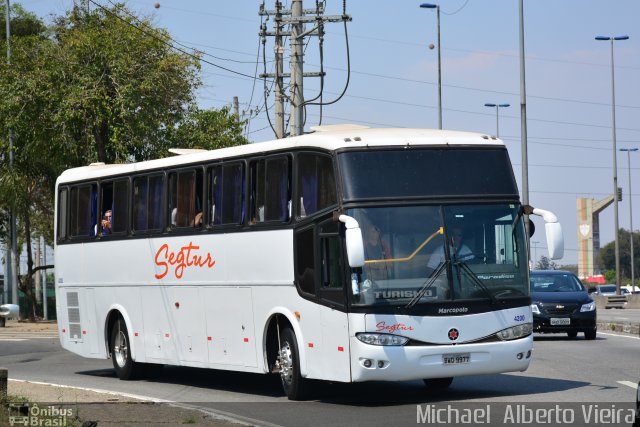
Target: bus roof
330	138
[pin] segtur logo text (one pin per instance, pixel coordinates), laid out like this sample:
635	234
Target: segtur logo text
453	310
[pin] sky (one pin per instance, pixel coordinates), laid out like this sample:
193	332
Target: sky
393	81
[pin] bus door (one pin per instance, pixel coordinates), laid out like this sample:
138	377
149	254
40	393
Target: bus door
332	293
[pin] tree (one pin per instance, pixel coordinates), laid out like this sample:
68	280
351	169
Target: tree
208	129
126	85
27	181
546	264
96	86
607	254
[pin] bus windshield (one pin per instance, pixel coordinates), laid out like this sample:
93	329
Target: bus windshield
437	253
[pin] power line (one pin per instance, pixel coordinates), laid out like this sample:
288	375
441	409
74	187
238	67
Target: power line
154	36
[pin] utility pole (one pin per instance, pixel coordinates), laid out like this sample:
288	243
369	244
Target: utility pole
279	53
13	258
38	275
44	280
236	108
296	17
296	66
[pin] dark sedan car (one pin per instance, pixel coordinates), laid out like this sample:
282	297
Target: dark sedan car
561	304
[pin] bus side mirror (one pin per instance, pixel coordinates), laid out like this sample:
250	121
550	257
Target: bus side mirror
553	229
353	238
555	240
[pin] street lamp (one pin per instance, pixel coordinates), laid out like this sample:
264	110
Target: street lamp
615	161
629	150
497	106
437	8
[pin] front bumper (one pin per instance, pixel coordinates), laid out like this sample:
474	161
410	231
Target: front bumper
578	322
404	363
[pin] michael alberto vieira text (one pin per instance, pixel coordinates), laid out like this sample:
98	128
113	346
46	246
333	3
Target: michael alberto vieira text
510	414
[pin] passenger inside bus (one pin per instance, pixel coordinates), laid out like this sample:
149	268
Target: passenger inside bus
106	223
457	249
375	249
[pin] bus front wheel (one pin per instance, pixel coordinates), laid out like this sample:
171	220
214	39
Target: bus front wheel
125	367
289	360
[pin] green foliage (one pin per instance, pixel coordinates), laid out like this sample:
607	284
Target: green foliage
95	86
607	260
23	23
208	129
610	276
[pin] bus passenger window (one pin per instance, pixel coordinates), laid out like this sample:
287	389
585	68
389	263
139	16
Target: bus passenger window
316	184
185	198
63	213
83	210
148	203
270	190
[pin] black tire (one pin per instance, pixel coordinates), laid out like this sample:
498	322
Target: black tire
295	387
572	334
438	383
590	335
120	346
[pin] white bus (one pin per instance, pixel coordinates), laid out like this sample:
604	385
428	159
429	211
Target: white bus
335	255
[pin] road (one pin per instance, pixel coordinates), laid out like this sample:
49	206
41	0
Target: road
562	371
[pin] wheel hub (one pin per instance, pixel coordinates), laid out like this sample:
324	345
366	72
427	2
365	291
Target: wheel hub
286	363
120	349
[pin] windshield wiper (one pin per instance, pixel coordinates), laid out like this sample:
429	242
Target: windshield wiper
425	287
477	281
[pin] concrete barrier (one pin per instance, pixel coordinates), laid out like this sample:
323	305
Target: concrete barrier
602	302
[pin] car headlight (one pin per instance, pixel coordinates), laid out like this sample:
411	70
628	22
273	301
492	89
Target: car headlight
588	307
535	309
381	339
515	332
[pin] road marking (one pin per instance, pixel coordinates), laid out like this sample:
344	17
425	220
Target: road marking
13	339
619	335
27	335
629	384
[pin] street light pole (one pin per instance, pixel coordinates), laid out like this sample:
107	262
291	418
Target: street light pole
629	150
497	106
437	8
615	160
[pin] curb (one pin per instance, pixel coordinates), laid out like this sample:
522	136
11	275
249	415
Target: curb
620	327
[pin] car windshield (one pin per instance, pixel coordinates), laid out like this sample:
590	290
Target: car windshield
555	282
436	253
608	288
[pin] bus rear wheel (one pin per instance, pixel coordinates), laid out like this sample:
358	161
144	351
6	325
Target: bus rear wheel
120	346
438	383
289	360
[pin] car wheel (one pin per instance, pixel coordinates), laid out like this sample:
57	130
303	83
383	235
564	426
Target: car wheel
572	334
590	335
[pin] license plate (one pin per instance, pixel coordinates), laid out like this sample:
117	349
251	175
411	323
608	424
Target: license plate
560	321
455	359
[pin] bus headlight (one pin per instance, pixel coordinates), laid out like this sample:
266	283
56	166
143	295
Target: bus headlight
381	339
535	309
515	332
588	307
